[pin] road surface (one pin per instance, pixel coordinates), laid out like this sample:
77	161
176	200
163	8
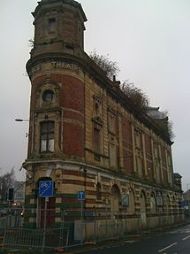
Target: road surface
172	242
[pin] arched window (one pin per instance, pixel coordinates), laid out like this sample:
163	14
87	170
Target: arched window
159	199
47	136
143	209
143	202
168	204
131	207
152	203
174	204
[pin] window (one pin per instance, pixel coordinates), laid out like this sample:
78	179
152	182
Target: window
112	123
48	96
97	105
143	202
168	204
153	203
113	155
138	141
97	138
51	24
115	199
131	208
139	165
159	199
97	108
157	163
47	136
98	191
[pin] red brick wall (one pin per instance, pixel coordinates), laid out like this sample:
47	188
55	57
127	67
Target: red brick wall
73	140
71	99
71	92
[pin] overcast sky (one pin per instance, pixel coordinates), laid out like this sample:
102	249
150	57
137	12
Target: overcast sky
150	41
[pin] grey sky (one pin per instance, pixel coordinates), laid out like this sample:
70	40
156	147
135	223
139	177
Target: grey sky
150	41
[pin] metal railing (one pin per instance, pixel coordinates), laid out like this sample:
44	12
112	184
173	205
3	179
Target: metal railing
67	230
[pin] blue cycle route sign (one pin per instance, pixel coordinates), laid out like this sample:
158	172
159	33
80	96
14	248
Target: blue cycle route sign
46	188
81	195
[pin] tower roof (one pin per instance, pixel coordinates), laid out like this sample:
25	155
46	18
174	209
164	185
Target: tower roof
69	2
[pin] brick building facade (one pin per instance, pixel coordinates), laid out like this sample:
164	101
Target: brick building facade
84	135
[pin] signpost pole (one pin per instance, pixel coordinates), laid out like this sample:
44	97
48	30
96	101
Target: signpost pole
46	190
81	198
81	209
45	223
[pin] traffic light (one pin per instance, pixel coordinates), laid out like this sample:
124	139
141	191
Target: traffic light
11	194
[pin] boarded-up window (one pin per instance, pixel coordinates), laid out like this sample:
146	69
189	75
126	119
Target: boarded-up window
115	199
112	123
113	155
148	145
139	165
97	106
157	163
97	138
138	139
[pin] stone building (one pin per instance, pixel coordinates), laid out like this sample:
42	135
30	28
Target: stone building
87	138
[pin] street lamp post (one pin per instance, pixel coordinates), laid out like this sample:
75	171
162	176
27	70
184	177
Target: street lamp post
21	120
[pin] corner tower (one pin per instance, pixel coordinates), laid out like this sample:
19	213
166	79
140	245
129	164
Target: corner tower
59	27
56	128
